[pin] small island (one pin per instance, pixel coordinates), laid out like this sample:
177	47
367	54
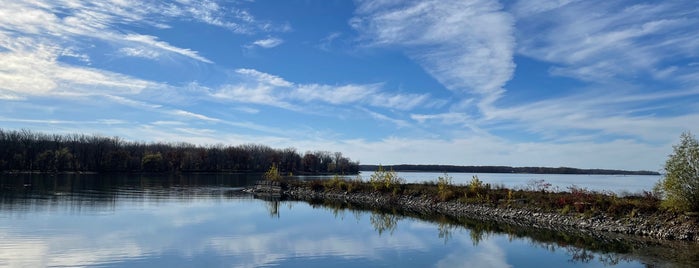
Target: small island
570	211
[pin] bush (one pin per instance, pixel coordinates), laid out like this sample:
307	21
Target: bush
444	185
385	180
272	174
476	188
680	186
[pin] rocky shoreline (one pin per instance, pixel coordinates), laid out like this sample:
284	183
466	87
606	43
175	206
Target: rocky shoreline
661	226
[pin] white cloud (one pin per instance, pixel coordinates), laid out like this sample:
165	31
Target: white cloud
451	118
5	95
265	78
263	88
33	38
467	46
268	43
140	52
256	94
381	117
133	103
168	123
152	41
194	115
404	102
247	110
36	71
600	113
334	94
601	40
230	17
65	22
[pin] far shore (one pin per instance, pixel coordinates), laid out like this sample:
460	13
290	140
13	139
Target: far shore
505	169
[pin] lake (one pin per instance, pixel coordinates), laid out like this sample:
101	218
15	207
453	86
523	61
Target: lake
200	220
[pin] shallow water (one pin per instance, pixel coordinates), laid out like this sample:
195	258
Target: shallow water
206	221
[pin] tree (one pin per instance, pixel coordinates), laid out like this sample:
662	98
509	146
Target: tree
152	162
680	186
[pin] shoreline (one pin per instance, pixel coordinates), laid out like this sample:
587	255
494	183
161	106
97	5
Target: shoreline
659	226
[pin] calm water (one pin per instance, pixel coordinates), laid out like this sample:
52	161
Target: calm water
205	221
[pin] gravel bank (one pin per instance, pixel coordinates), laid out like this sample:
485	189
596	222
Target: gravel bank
656	226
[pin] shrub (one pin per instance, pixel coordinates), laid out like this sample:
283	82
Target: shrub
475	188
272	174
680	186
385	180
444	185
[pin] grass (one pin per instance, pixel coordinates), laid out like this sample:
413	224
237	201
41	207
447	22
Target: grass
574	200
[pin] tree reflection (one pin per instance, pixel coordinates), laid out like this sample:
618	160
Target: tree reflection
383	222
445	228
273	208
580	255
445	231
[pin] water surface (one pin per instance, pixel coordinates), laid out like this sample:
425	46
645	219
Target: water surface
206	221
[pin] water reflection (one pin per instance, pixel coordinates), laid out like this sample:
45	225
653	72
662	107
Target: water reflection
580	247
383	222
164	222
85	193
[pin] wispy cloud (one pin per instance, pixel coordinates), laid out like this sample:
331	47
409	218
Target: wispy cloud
152	41
599	41
334	94
258	87
467	46
268	43
327	42
62	23
140	52
382	117
35	35
598	115
194	115
265	78
231	17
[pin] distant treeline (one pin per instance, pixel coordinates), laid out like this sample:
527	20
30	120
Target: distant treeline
25	150
506	169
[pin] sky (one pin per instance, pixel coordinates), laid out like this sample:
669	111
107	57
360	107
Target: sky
586	84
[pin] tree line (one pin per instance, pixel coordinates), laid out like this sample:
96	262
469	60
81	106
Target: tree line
24	150
507	169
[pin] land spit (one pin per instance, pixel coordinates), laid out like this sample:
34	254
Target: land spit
658	226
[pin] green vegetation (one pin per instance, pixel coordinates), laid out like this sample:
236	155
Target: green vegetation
680	186
27	151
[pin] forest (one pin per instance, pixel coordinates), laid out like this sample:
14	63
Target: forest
507	169
28	151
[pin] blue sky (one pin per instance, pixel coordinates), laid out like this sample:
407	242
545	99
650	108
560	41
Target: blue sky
589	84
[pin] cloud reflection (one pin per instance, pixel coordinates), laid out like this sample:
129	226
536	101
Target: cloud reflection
486	254
237	232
